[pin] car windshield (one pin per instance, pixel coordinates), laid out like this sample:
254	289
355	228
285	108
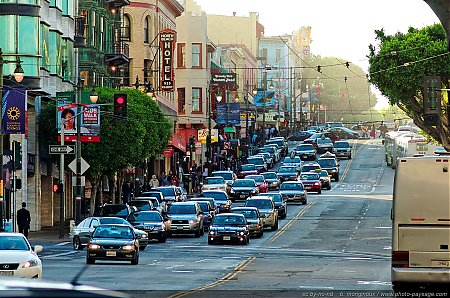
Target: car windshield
260	204
291	186
327	162
182	209
258	178
229	220
323	174
115	210
145	216
256	161
269	175
204	206
167	191
154	194
280	143
226	176
13	243
141	205
116	232
218	196
305	147
310	168
113	220
248	168
287	170
341	145
210	200
267	150
247	213
309	177
292	160
215	180
276	197
324	141
244	183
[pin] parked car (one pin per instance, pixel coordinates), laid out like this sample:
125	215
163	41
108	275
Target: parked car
117	210
272	180
212	183
254	220
306	152
227	228
262	184
151	222
293	191
221	197
343	149
243	188
280	203
113	242
300	136
287	173
311	182
187	218
331	166
18	258
266	207
247	169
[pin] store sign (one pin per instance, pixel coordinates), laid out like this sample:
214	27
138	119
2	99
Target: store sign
223	79
203	133
168	152
167	40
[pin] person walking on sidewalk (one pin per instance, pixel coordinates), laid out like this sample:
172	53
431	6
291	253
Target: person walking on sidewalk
154	182
23	220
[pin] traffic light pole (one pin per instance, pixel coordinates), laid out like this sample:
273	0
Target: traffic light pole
78	157
61	182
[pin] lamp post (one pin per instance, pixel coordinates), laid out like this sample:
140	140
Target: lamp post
18	76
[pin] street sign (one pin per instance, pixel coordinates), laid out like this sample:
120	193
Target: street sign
61	149
84	166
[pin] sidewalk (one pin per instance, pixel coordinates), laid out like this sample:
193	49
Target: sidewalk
48	234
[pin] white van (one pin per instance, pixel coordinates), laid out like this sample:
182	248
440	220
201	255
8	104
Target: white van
421	222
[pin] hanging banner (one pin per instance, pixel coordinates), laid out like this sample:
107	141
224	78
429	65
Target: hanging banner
14	111
167	39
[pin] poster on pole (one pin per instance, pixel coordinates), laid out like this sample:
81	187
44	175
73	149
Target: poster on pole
14	110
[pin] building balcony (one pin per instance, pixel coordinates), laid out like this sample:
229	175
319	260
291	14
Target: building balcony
80	39
118	3
120	54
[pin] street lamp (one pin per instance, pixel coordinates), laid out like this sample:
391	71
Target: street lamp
18	76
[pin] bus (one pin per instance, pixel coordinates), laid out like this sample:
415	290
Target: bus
390	148
411	144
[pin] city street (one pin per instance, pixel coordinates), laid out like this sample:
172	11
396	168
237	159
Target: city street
340	240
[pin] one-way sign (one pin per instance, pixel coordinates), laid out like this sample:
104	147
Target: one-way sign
61	149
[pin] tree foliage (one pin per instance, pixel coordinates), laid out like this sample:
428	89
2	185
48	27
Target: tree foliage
145	133
398	65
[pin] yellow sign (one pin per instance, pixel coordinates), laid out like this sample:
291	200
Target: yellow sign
244	116
203	133
1	190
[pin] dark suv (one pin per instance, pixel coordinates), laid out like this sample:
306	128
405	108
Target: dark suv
331	166
117	210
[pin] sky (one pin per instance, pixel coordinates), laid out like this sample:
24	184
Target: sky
340	28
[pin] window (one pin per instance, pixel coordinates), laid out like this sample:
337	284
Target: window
181	100
101	41
264	53
197	55
146	26
196	100
94	29
181	55
45	60
85	13
278	56
126	29
125	74
147	69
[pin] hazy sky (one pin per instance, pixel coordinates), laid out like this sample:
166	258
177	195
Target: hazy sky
340	28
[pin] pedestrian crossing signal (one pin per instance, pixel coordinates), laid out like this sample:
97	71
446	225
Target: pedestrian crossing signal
120	106
57	187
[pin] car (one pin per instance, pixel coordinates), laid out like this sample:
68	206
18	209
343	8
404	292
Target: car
259	163
229	176
345	133
254	220
280	141
409	128
221	197
287	173
293	161
154	201
212	183
151	222
293	191
156	194
270	161
272	151
280	203
343	149
306	152
183	193
171	193
247	169
116	210
324	145
272	180
18	258
278	151
328	154
334	124
208	213
310	167
141	205
266	207
311	182
229	228
325	179
113	242
300	136
262	184
187	218
212	201
241	189
331	166
80	234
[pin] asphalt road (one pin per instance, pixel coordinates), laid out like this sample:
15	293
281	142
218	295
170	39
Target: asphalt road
340	240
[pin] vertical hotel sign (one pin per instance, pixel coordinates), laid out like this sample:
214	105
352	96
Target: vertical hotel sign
167	38
14	111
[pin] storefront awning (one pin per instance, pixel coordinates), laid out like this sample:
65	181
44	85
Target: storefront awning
177	142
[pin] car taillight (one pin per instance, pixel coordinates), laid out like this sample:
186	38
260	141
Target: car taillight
400	259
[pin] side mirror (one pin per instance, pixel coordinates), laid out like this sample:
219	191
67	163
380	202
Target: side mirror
38	248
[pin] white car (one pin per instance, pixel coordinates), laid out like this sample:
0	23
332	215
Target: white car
18	258
214	183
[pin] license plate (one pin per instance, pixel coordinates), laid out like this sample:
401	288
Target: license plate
308	187
226	238
305	156
110	253
242	196
440	263
8	273
179	228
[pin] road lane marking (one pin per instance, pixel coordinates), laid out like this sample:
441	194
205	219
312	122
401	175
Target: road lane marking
347	167
62	243
60	254
357	258
316	288
229	276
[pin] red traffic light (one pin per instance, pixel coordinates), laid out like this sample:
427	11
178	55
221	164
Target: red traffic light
120	106
57	187
120	100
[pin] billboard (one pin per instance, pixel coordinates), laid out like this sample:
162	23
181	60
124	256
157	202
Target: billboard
167	38
223	79
14	111
203	133
228	113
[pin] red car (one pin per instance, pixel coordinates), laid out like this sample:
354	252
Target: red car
311	182
262	184
248	169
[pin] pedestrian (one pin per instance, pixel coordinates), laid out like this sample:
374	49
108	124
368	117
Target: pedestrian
154	182
126	191
23	220
373	133
164	181
365	131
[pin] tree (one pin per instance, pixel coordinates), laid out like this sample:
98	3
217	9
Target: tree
398	66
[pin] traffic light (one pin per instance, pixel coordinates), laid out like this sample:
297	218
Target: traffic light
432	95
431	120
57	187
120	106
191	142
17	151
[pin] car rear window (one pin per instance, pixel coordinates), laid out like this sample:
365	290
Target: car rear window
256	161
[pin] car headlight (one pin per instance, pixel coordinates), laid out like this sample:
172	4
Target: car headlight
241	233
128	247
212	232
30	263
274	183
333	171
144	236
232	191
193	221
254	191
94	246
316	183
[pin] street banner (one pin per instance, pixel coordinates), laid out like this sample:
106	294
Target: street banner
167	39
14	109
234	117
90	119
203	133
